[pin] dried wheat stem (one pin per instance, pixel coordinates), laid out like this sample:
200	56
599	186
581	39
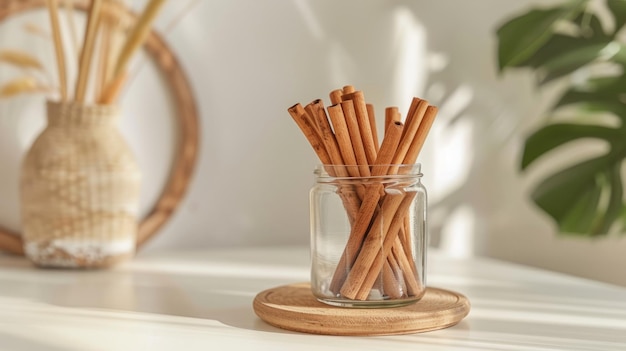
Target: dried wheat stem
133	42
20	59
71	19
87	51
103	54
117	36
17	86
138	35
53	10
112	90
36	30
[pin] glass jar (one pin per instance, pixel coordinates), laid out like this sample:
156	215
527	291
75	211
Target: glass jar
368	235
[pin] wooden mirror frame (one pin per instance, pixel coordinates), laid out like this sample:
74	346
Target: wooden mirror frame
187	118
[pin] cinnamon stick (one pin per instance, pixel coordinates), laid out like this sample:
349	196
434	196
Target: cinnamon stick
368	206
355	136
407	265
372	116
360	108
402	247
391	115
357	233
402	244
335	96
299	116
369	249
328	137
395	286
414	137
378	252
411	126
414	102
343	139
311	114
387	149
407	138
420	135
369	266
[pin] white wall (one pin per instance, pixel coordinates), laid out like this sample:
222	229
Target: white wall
250	60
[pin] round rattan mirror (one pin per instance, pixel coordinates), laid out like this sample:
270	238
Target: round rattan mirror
184	116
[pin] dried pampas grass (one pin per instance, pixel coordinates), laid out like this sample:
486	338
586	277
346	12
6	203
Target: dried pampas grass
20	85
133	42
87	51
20	59
107	42
53	10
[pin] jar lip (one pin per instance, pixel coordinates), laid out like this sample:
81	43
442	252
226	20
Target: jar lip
348	171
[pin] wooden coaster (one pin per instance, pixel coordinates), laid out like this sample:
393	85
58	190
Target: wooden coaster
293	307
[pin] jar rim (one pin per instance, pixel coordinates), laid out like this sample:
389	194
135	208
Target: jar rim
349	171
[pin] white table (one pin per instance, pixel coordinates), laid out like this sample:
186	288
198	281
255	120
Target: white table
201	300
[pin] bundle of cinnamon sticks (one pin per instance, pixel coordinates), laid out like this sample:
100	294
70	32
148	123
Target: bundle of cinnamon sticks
345	134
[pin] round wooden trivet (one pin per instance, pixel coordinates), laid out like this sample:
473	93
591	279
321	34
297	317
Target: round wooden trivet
293	307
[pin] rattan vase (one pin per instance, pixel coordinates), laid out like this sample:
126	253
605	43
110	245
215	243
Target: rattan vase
79	190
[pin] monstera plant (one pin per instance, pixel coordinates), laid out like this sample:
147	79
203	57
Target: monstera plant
582	44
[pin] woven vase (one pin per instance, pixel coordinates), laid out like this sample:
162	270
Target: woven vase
79	190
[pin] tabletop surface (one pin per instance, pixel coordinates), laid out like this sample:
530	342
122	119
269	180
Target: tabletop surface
197	300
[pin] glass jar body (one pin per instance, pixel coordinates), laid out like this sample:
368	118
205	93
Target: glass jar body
368	236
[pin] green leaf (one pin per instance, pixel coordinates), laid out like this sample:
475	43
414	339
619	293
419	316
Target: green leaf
615	108
569	61
560	44
586	198
555	135
615	203
580	218
610	84
522	36
618	8
599	92
562	194
620	56
591	27
556	45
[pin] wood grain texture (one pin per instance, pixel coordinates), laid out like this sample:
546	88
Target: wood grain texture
186	117
293	307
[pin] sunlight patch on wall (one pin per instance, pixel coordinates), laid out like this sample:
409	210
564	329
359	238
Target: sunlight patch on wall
409	74
310	19
457	236
449	155
451	144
